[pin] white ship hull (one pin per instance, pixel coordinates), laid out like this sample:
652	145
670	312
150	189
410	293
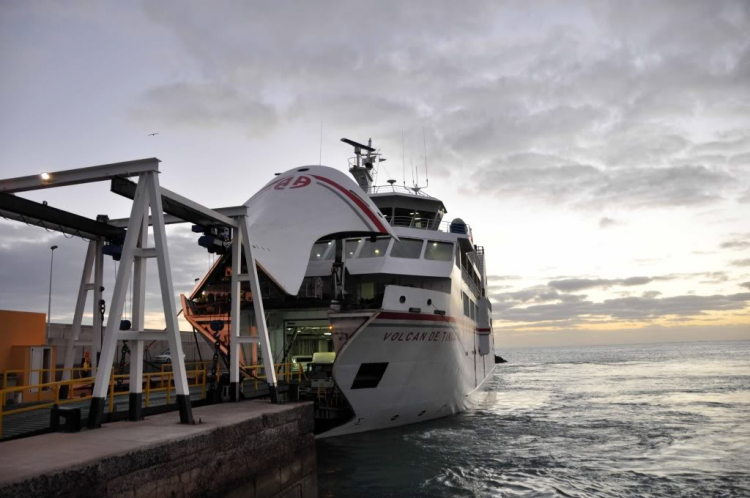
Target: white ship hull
433	367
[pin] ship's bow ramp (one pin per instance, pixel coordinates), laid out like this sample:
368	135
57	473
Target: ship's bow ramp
297	208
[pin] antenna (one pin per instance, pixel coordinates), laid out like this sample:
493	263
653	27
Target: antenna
424	144
403	161
416	171
320	157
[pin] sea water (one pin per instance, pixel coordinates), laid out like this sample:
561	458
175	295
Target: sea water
628	420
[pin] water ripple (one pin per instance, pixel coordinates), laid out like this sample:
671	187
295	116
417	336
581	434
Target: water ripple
649	420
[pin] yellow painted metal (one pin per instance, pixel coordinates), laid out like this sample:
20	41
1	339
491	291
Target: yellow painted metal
199	379
169	388
111	393
148	390
49	385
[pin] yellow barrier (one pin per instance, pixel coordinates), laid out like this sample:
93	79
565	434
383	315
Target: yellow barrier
199	376
284	371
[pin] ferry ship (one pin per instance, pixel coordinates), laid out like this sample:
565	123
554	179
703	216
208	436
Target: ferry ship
377	299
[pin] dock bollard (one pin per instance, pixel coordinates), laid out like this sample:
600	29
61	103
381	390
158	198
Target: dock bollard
72	418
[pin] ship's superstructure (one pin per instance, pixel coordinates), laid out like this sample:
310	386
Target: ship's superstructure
404	314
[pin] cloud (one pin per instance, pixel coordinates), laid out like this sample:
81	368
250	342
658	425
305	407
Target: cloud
715	277
592	104
711	276
741	262
205	106
605	222
589	186
626	308
501	278
745	285
738	241
577	284
740	159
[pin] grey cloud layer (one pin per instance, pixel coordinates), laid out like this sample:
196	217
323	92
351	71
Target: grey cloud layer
557	305
577	284
542	306
590	103
629	308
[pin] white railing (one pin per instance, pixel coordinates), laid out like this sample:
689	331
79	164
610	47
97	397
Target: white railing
428	224
399	189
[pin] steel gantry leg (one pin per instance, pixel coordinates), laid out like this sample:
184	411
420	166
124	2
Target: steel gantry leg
168	301
104	370
135	401
147	195
75	332
96	347
234	336
260	315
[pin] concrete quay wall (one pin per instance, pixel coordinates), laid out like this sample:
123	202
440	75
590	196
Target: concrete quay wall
248	449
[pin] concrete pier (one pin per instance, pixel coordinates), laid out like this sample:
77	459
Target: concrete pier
248	449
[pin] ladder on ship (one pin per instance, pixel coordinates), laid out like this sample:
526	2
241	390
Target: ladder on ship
480	259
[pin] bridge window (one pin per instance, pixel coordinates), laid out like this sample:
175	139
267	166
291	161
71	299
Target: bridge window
466	304
332	253
407	248
351	246
319	250
439	251
472	310
374	249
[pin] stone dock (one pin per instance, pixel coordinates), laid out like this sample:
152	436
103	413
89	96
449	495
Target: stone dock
248	449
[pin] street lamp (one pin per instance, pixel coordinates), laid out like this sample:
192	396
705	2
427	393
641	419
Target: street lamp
49	301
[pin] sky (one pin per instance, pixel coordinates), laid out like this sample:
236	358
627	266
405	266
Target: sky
600	150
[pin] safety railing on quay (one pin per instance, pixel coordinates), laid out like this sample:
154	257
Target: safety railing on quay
53	373
164	382
253	373
154	382
284	371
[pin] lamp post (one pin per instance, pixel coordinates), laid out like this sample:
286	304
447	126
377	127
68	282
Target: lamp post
49	301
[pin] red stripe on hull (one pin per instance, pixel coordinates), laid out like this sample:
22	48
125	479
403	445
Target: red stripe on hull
390	315
364	207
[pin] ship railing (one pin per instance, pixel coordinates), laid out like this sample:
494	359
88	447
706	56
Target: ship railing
470	281
398	189
429	224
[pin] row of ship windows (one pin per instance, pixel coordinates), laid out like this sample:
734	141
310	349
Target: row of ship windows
404	248
471	309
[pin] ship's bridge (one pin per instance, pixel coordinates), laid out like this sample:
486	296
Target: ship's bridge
412	208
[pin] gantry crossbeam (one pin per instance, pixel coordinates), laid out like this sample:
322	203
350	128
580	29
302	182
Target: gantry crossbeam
79	175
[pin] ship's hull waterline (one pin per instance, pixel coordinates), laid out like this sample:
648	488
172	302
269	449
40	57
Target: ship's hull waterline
433	368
